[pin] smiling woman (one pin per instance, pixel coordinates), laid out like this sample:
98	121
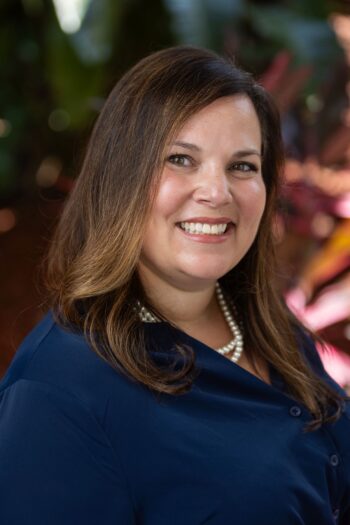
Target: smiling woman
165	323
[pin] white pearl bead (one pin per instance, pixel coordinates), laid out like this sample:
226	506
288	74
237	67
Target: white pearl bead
236	342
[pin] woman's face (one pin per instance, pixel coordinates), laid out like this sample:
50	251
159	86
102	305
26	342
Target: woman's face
210	199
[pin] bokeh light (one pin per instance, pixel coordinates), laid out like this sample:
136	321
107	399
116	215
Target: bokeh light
48	172
70	13
7	220
59	120
5	128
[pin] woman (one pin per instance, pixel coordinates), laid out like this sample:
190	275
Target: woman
169	384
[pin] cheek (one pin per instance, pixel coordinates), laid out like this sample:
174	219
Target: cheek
171	195
252	200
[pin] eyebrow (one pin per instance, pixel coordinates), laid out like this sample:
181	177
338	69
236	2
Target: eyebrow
238	154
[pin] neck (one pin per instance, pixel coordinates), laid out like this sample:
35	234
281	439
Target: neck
183	306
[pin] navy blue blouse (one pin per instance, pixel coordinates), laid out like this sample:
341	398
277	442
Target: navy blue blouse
80	443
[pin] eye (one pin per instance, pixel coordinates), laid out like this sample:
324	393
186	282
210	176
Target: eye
180	160
244	167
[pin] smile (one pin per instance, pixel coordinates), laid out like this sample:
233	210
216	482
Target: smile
203	228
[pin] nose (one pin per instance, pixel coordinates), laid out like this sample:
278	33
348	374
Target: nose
213	187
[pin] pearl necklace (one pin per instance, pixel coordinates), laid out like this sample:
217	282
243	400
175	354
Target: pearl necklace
235	344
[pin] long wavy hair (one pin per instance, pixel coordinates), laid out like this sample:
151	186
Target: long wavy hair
91	270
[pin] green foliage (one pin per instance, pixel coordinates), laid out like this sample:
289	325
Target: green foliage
52	83
309	39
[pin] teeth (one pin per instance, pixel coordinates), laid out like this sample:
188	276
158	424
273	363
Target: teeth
203	228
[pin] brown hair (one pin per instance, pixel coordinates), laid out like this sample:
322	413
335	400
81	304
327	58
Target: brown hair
91	271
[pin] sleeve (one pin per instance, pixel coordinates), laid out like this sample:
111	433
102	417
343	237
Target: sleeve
343	435
57	466
345	518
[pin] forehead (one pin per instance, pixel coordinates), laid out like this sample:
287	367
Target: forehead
232	118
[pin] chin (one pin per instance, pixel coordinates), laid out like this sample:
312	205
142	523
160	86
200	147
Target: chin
211	274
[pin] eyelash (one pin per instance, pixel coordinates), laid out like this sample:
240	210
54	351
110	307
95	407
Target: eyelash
172	158
251	167
233	167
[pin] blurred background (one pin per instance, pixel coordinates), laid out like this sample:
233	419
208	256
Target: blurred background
59	60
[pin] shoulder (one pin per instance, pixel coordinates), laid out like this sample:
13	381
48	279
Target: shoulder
341	429
62	360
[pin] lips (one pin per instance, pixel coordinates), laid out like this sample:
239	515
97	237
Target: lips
207	220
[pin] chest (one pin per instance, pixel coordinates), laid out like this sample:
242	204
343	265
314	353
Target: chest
260	370
219	459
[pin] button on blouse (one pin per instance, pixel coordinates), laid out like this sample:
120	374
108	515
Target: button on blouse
334	459
295	411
